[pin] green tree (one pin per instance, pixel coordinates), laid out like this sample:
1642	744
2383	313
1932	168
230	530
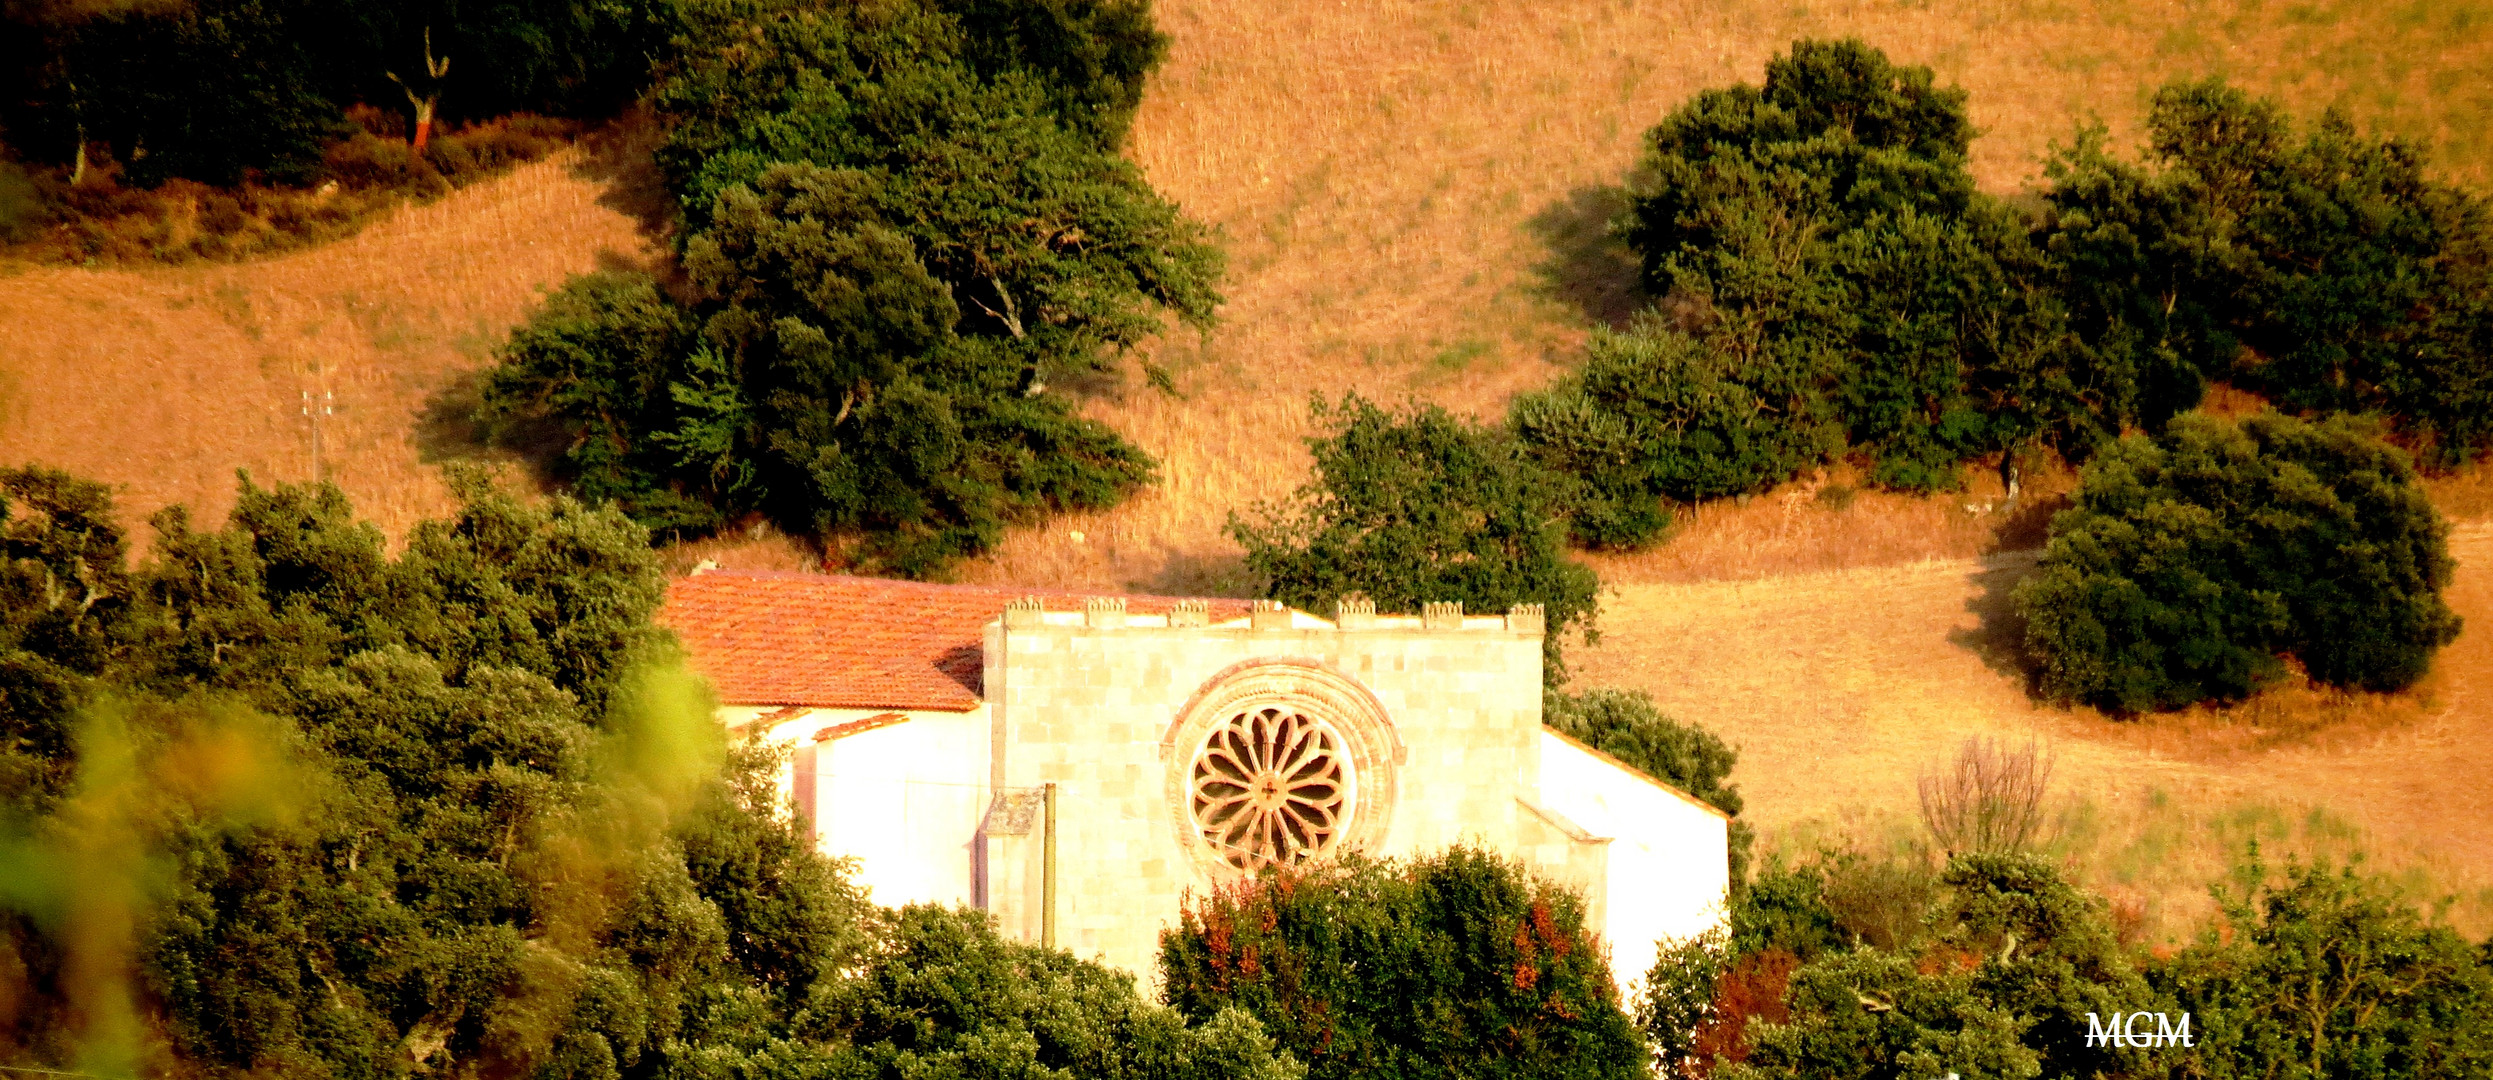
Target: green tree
1656	413
1823	235
905	225
2325	270
1418	506
2194	564
1457	964
2330	973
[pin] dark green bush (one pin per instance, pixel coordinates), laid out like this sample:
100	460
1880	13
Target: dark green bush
901	232
1455	965
2330	972
1419	506
2196	563
2325	270
1659	414
1824	235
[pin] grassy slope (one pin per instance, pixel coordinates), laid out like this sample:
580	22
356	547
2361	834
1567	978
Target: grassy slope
1841	687
1412	190
164	381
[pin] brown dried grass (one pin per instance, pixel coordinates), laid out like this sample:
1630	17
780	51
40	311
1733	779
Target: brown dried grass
1841	687
1412	192
165	380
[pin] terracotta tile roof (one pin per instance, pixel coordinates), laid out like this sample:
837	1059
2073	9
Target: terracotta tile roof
780	638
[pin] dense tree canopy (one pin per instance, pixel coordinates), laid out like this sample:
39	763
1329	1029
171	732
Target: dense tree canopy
1452	965
213	89
2311	971
2195	563
1835	284
2327	271
275	801
1418	506
1823	235
900	232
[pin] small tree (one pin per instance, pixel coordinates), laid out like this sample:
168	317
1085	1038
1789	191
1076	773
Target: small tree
1458	964
1990	801
1418	506
2196	563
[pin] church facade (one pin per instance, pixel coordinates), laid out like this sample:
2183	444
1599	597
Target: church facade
1179	744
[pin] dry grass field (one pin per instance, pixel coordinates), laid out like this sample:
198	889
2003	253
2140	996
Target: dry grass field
1412	193
1841	687
164	381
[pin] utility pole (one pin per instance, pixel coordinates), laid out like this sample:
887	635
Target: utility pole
312	412
1047	873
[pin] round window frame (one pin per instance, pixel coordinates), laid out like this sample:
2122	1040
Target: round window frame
1371	748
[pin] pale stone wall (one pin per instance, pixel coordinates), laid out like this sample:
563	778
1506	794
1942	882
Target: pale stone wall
905	798
1088	707
1667	869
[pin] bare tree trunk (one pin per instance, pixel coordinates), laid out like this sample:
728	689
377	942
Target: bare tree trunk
435	71
78	172
423	120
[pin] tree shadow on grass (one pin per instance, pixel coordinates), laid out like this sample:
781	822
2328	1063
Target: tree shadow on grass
1999	638
621	155
451	428
1587	267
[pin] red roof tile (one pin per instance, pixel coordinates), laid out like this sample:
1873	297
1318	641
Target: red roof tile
779	638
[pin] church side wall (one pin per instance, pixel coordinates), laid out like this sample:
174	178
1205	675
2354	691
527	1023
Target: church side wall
1668	867
1087	708
904	798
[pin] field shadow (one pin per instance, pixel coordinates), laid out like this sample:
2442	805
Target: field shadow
621	155
1588	268
1999	637
451	427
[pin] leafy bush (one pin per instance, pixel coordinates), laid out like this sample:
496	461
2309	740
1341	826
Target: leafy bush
2315	972
2196	563
1826	235
942	994
2329	972
1658	413
2327	272
1625	725
1457	964
1418	506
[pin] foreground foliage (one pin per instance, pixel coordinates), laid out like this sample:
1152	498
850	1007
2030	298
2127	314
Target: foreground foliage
276	801
2195	564
1452	965
2312	971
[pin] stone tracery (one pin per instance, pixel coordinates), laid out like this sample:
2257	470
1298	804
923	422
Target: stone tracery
1271	788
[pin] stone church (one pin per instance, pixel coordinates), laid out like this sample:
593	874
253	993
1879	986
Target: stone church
1179	744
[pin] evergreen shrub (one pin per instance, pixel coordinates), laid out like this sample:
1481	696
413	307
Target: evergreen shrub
2195	564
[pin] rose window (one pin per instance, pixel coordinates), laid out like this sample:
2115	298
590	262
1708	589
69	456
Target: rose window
1271	788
